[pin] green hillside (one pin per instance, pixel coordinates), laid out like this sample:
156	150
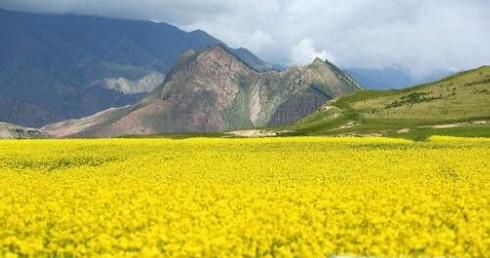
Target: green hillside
457	105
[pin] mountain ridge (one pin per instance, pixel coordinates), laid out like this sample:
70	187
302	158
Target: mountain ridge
214	90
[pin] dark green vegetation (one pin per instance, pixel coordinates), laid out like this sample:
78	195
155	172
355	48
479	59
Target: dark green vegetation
458	105
56	67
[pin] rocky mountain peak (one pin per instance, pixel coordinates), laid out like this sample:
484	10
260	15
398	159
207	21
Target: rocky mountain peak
215	71
217	57
318	61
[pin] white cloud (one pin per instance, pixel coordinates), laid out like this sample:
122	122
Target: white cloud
260	41
304	52
418	35
144	85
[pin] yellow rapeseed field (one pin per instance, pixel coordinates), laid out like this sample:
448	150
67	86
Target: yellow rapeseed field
277	197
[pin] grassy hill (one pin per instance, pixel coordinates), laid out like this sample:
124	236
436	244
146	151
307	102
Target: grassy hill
458	105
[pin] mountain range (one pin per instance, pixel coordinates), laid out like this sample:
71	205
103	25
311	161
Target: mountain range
56	67
84	76
214	90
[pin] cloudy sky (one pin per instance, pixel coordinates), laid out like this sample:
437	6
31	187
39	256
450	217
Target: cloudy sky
418	35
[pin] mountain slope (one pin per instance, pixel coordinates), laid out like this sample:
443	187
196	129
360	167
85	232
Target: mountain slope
456	105
55	67
213	90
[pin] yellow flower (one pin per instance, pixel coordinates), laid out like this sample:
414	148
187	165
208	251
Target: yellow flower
274	197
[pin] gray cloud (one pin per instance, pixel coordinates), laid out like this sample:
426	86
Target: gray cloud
418	35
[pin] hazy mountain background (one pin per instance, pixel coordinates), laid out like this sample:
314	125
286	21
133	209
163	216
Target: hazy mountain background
393	78
54	67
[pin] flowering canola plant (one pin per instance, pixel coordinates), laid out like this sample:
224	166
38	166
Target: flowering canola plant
274	197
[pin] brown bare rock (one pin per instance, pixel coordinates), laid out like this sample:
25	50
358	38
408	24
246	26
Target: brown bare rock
214	90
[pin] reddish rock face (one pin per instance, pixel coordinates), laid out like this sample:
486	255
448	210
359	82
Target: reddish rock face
298	106
215	91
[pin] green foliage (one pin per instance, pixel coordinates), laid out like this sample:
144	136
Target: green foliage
412	98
